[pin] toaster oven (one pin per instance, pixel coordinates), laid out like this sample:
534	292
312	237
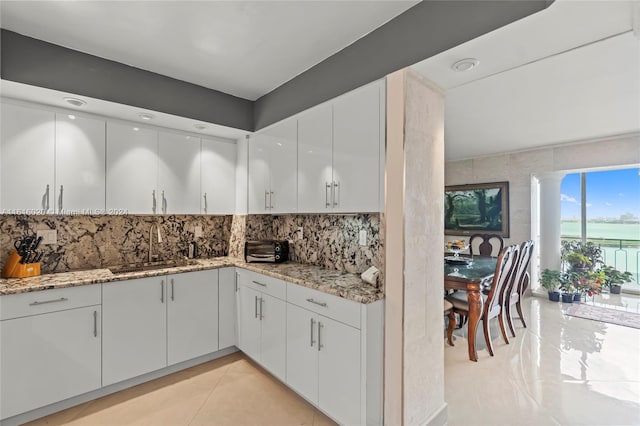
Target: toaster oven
270	251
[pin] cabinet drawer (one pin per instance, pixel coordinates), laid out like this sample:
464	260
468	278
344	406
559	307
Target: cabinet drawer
262	283
337	308
41	302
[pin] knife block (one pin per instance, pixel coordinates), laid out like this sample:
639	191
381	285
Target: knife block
14	269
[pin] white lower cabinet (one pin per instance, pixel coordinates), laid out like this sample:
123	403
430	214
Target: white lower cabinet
262	321
52	355
134	328
227	303
192	315
149	323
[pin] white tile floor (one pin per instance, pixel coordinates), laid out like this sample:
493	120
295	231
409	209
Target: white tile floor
560	370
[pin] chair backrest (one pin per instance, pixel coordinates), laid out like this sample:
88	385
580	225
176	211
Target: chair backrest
518	276
485	245
507	260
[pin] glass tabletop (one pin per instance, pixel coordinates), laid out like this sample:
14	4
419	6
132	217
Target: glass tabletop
480	267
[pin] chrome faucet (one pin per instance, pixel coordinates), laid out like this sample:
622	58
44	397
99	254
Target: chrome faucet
154	257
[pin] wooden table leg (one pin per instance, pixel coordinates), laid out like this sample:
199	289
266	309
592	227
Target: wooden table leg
475	311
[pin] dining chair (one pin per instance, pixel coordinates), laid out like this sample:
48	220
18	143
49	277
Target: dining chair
448	310
485	244
491	303
518	284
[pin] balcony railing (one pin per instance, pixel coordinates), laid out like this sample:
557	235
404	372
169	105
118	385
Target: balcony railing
624	255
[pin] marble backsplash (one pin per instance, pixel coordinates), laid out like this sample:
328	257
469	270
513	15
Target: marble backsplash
329	241
86	242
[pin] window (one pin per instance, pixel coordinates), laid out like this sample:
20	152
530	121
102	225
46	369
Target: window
604	207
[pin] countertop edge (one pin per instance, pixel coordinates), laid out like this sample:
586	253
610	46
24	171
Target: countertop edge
365	295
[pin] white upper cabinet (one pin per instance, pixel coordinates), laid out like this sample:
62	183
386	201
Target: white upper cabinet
273	169
132	169
27	157
178	173
218	177
80	164
356	150
315	152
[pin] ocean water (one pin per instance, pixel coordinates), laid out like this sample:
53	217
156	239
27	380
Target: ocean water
614	231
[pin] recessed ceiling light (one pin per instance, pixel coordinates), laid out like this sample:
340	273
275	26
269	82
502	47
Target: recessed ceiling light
465	64
135	129
146	116
75	101
71	116
200	126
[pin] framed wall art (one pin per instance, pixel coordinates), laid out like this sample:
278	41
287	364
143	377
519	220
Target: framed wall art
481	208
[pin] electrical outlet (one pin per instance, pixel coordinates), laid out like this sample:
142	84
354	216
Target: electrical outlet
49	236
198	231
300	232
363	237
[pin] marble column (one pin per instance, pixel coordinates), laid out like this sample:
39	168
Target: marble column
414	344
550	220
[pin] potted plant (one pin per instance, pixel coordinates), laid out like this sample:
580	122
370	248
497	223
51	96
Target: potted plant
614	278
586	282
591	251
551	280
568	290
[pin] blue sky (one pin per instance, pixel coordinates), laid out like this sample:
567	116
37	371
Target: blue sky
610	193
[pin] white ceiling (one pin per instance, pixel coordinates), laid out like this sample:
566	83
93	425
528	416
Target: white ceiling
568	73
244	48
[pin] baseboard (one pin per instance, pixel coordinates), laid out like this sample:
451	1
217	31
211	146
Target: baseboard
116	387
439	418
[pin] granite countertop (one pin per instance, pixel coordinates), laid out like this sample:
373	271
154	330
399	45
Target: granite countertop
342	284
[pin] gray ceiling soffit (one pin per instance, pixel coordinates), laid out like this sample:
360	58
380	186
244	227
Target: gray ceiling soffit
38	63
428	28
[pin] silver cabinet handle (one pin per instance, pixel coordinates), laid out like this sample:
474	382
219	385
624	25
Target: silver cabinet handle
45	200
164	204
323	304
320	327
60	199
153	201
259	283
261	306
36	303
327	189
313	322
172	291
162	291
266	194
95	323
236	281
271	200
205	203
336	185
255	307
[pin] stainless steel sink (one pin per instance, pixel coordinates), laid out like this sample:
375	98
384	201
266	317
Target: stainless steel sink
150	266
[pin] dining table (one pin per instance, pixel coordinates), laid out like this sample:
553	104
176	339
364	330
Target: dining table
470	274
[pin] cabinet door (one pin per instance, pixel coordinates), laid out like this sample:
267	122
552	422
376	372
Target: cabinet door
132	169
258	180
302	352
315	140
227	295
80	165
249	323
339	371
356	150
47	358
283	167
192	315
27	159
273	313
178	173
218	177
134	328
